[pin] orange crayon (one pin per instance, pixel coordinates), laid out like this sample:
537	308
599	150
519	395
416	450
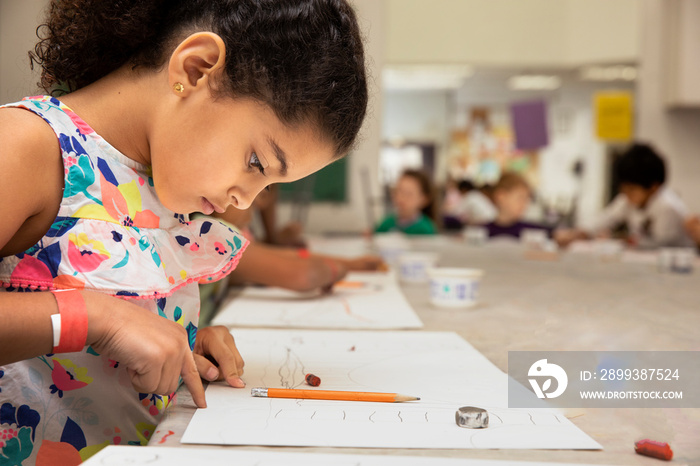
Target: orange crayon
349	284
313	380
330	395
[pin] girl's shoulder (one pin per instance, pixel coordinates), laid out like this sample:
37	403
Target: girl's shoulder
426	224
32	171
26	138
387	224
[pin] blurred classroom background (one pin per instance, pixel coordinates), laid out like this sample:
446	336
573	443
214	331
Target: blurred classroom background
466	89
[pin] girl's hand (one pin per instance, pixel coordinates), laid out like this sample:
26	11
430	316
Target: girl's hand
154	350
217	357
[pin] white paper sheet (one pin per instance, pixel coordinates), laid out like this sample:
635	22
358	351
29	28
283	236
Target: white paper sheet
440	367
163	456
379	304
347	246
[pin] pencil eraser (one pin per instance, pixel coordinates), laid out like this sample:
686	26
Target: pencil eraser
472	418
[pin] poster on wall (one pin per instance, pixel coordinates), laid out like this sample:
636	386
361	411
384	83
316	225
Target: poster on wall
613	115
530	125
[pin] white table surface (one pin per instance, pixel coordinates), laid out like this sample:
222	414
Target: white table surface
578	302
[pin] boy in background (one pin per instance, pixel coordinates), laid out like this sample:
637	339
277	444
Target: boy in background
650	212
511	196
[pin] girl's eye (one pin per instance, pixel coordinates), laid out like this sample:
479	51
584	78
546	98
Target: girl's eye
255	162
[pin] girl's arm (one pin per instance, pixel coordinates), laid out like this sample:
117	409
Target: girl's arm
285	268
30	195
274	266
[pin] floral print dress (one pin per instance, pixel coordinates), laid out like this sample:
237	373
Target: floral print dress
111	235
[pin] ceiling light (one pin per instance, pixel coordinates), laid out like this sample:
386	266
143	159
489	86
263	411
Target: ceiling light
608	73
530	82
425	77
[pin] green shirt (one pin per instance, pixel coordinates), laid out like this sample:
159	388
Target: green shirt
421	226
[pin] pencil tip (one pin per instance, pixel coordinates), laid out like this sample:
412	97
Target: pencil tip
400	398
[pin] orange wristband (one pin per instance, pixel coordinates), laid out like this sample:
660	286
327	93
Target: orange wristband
303	253
74	321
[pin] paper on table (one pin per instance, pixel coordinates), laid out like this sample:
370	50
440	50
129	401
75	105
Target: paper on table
348	247
440	367
157	456
379	304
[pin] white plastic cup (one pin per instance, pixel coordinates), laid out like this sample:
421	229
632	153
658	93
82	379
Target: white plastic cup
454	287
390	246
533	238
475	235
609	249
665	260
413	266
683	259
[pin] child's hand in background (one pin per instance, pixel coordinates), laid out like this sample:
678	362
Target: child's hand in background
692	227
154	350
217	357
366	263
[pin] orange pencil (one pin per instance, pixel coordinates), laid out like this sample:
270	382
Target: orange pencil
330	395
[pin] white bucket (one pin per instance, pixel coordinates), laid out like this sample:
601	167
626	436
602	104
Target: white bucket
454	287
390	246
679	260
475	235
533	238
413	266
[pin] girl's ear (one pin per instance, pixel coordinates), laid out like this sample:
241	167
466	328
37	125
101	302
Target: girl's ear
195	61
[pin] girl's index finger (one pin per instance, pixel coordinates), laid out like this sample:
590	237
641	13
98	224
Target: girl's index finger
190	376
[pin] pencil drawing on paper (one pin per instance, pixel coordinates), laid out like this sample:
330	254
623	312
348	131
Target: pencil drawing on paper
378	304
453	373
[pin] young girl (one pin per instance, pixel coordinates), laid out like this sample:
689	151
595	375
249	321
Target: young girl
413	200
172	108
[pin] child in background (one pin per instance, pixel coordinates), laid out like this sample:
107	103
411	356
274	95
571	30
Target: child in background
511	196
651	213
413	200
172	107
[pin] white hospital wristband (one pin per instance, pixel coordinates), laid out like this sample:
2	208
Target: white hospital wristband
56	323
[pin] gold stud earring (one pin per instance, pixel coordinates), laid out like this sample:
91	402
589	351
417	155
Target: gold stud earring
178	87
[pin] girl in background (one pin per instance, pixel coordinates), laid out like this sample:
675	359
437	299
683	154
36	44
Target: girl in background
171	107
414	206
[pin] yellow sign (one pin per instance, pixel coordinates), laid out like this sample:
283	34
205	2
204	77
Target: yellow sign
613	111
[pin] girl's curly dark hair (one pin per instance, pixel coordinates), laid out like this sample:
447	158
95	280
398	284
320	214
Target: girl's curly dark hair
303	58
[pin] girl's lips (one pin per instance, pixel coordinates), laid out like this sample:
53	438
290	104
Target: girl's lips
207	207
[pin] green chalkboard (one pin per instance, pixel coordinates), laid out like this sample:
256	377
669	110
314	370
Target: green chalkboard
326	185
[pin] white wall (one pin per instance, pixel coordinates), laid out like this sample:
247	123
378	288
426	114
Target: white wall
18	22
602	31
675	132
513	32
